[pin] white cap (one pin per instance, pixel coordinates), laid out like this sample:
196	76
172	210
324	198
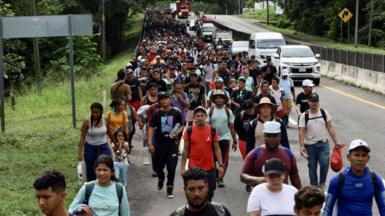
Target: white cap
307	83
129	64
285	72
358	143
271	127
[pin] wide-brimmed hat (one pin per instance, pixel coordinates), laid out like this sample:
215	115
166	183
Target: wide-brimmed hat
217	93
265	100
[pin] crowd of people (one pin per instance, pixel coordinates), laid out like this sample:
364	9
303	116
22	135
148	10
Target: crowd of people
192	100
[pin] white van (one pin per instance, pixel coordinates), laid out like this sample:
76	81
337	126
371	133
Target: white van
263	44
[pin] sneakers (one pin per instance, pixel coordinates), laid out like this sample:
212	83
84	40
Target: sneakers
160	184
248	189
169	191
221	184
322	187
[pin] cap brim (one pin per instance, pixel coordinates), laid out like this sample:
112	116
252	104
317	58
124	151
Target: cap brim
361	146
274	172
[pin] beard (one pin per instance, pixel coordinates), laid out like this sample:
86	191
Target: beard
197	206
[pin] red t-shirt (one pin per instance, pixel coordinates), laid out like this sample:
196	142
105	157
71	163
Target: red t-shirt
201	147
253	166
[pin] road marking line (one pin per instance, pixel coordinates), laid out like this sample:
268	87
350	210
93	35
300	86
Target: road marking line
354	97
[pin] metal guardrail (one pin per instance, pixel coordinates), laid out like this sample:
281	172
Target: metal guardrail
374	62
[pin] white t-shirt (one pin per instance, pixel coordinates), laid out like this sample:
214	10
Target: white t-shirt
316	127
272	203
208	71
277	94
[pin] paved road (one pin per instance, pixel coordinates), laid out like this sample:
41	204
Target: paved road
352	119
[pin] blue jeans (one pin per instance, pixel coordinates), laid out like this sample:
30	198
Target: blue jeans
91	154
318	154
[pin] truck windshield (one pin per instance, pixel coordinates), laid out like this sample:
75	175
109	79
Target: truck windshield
208	29
297	52
270	44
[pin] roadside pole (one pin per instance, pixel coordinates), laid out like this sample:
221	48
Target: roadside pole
2	98
72	73
356	27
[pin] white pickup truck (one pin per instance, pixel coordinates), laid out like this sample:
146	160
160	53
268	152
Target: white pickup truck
224	37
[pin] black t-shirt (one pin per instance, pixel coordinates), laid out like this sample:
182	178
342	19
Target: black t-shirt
254	73
242	125
195	93
259	97
134	86
225	75
271	72
302	99
209	210
239	96
163	123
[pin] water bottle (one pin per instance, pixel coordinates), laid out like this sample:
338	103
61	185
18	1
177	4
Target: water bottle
174	130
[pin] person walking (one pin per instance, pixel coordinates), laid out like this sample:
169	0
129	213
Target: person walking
50	191
200	147
308	201
273	197
302	98
165	126
104	196
314	126
287	85
252	171
120	89
196	189
353	189
222	118
93	139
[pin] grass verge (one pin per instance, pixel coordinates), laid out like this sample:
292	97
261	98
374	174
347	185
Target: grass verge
260	18
39	136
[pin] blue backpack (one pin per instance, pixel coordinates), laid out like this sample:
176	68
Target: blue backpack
258	149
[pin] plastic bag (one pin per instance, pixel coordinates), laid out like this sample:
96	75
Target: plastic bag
336	160
81	171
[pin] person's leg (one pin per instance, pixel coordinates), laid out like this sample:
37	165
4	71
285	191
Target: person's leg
224	146
324	154
159	161
211	180
117	171
104	149
90	156
171	163
312	163
242	148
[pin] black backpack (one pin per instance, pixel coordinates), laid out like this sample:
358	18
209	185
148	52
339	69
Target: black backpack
341	181
323	113
213	132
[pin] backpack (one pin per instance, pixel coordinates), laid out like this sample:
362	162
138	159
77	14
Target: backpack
323	113
341	180
211	111
90	186
257	150
217	206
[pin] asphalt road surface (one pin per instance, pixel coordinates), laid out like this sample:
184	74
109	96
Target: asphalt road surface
356	113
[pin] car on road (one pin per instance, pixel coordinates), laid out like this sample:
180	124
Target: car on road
223	39
208	32
240	47
263	44
300	61
191	22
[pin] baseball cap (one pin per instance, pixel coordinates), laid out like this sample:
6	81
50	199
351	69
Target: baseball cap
219	79
128	65
357	143
313	97
241	79
274	166
272	127
199	109
163	95
285	72
307	83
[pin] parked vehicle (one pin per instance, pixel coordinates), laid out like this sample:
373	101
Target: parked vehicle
240	47
300	62
208	31
183	9
263	44
191	22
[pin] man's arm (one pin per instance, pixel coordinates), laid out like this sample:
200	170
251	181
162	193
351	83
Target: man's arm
295	180
380	200
332	133
151	147
233	135
302	142
186	149
252	180
331	197
218	156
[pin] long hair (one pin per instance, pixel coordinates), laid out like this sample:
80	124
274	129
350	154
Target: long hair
106	160
100	108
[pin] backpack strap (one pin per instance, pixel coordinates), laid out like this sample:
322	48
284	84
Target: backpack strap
341	181
256	153
219	208
289	153
373	176
323	114
89	188
119	192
